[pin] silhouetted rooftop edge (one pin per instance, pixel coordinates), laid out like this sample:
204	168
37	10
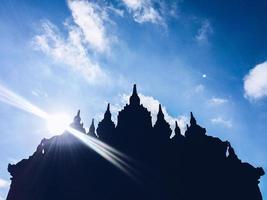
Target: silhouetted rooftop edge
186	167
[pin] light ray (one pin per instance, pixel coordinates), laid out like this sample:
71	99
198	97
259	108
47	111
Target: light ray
11	98
110	148
106	151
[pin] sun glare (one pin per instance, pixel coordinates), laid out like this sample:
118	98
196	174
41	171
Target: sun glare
58	123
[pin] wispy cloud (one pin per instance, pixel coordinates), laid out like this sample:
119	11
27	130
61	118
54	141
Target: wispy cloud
204	31
144	11
90	19
199	88
116	11
39	93
217	101
255	82
70	51
220	121
86	36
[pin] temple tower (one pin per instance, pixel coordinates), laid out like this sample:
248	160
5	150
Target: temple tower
162	127
77	124
106	127
91	131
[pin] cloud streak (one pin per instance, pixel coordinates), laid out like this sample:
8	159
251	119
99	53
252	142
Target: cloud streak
221	121
217	101
144	11
204	31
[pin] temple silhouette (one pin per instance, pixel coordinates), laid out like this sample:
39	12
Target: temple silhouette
185	167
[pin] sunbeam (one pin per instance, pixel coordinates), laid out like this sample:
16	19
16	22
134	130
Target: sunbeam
60	123
11	98
106	151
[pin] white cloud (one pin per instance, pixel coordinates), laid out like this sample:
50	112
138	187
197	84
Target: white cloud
70	51
143	11
90	19
217	101
86	36
204	31
255	82
152	105
4	183
221	121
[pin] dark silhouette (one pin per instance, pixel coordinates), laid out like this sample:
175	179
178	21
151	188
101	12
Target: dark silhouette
184	167
106	128
91	131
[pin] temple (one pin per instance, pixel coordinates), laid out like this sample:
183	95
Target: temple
77	124
106	127
151	164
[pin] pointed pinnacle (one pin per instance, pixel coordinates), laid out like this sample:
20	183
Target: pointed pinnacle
78	113
192	119
176	124
134	89
107	114
160	110
160	113
177	129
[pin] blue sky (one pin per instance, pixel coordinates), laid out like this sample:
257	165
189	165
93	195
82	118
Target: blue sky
208	57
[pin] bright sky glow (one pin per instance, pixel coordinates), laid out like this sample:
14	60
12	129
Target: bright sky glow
58	123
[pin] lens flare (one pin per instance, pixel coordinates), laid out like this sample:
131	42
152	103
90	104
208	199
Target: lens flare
60	122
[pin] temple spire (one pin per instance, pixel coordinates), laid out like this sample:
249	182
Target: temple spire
106	127
162	127
160	113
77	118
194	129
177	129
92	129
134	89
134	99
192	119
107	114
77	124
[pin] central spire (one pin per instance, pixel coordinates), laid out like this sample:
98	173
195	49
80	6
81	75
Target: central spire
193	121
160	113
107	114
77	124
92	129
134	99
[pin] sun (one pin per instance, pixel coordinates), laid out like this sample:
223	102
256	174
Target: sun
58	123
